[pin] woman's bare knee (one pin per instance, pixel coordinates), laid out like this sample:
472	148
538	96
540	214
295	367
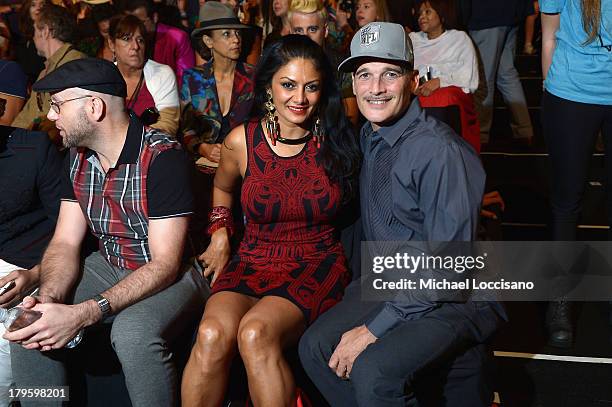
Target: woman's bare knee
255	339
214	341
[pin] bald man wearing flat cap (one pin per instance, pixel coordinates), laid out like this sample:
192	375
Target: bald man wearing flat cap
129	185
419	183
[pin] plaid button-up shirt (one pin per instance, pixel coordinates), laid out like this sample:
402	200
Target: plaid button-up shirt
119	203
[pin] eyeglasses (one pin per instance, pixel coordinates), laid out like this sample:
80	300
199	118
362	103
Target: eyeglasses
56	105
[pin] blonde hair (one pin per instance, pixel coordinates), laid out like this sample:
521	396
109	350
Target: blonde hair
382	11
591	18
307	7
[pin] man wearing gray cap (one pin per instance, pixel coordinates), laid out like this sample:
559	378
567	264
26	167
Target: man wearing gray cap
419	182
130	186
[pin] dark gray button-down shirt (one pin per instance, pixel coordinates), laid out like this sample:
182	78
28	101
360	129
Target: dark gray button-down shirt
419	181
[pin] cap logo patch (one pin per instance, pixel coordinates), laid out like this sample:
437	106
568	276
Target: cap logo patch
370	35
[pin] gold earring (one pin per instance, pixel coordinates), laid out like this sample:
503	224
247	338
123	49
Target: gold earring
317	132
271	120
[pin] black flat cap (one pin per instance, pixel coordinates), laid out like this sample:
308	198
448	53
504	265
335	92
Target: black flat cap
98	75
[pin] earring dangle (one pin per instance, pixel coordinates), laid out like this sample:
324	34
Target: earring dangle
317	132
271	120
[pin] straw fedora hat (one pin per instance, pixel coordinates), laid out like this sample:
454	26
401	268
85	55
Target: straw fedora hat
215	15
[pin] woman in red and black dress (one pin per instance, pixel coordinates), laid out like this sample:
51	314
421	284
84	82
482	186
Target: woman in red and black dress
298	162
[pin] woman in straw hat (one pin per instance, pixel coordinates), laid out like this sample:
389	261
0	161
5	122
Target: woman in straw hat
216	96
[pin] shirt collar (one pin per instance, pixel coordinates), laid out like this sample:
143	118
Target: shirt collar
396	130
58	56
133	142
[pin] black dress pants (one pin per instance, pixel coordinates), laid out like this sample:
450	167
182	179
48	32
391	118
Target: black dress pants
435	359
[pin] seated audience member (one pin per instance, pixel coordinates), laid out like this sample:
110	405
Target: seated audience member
13	91
447	65
86	31
114	164
298	161
251	43
276	23
217	96
26	54
167	45
96	44
338	25
53	33
309	17
151	87
421	183
368	11
30	168
102	16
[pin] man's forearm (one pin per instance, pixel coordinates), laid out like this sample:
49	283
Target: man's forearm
142	283
59	271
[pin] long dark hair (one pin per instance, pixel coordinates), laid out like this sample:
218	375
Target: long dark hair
339	153
26	24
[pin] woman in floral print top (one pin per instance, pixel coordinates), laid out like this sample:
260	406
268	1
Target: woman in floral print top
216	96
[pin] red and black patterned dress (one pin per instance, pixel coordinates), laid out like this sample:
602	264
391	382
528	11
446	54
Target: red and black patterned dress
289	247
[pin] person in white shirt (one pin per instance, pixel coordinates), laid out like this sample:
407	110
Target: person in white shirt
447	65
151	86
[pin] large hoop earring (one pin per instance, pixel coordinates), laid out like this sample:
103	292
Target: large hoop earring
317	132
271	120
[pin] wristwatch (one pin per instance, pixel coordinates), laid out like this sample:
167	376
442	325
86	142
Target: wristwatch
103	304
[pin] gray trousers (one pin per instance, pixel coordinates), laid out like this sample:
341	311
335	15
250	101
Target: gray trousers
496	47
141	336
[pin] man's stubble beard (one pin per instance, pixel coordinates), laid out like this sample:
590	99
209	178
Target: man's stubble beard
82	132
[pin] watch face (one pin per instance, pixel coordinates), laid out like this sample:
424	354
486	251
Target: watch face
103	304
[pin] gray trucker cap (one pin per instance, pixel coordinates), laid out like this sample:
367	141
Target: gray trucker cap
379	40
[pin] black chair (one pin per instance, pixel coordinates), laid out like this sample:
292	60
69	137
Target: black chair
447	114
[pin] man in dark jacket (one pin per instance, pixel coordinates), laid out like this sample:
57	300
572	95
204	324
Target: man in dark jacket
29	203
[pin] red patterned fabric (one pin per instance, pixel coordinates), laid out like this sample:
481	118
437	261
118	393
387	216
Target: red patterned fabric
289	247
